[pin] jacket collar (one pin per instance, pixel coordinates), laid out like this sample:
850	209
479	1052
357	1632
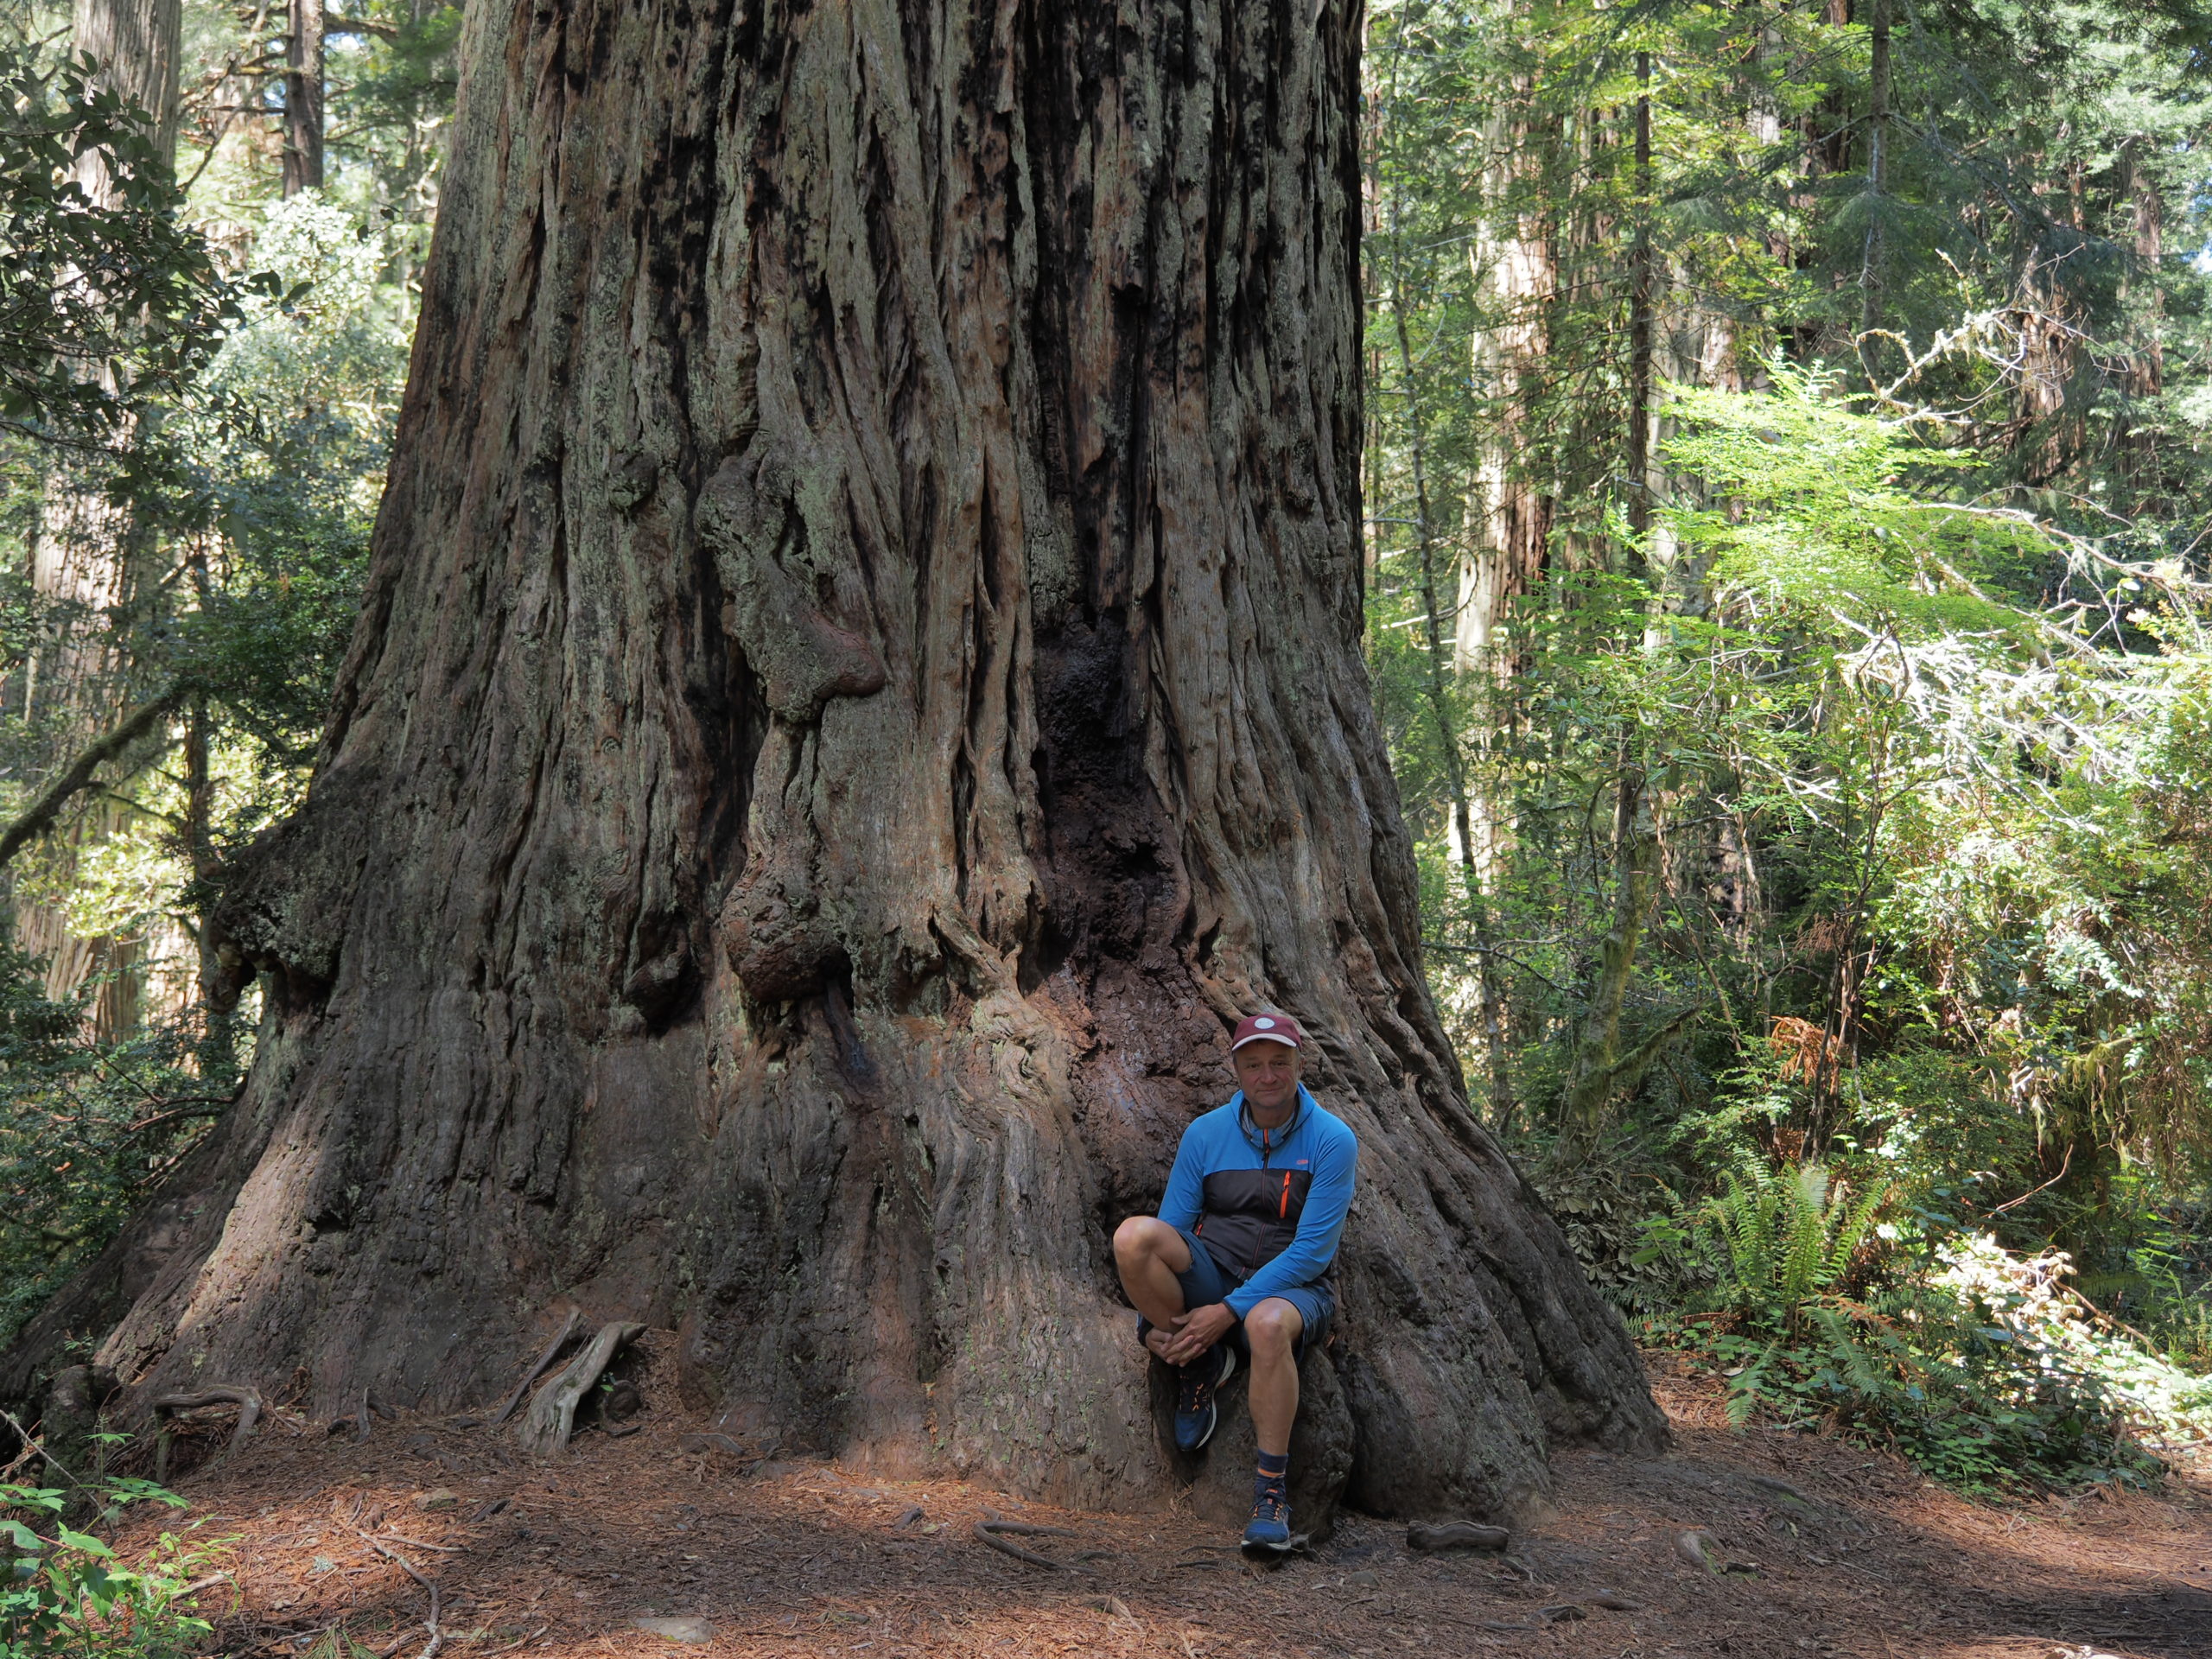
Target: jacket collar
1274	1139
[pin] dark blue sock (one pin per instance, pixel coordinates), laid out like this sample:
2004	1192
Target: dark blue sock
1275	1469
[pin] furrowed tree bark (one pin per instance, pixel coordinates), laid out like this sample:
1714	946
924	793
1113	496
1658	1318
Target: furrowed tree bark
138	46
860	682
303	96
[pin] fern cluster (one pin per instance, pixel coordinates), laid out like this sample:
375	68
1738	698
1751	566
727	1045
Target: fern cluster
1788	1235
1979	1365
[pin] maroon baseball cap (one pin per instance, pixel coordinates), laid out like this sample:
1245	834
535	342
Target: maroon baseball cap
1267	1028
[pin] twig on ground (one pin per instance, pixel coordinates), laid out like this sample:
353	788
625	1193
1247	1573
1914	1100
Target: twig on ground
391	1554
989	1532
437	1636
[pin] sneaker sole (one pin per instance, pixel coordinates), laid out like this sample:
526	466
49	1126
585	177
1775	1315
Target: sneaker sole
1263	1549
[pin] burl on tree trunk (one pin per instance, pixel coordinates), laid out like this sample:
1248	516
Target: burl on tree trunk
861	682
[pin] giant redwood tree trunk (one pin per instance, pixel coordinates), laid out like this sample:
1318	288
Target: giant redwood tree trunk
860	682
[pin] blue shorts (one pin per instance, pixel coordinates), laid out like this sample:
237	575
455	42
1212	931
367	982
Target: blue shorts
1204	1283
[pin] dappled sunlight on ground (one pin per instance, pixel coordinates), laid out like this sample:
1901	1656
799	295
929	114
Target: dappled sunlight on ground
1824	1547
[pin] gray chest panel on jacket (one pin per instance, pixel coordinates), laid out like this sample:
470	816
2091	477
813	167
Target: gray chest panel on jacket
1251	1214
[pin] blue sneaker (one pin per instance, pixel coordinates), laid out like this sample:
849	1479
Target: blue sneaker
1269	1526
1200	1382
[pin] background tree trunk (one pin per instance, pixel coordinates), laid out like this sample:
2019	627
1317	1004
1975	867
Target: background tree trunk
91	554
860	682
138	45
302	96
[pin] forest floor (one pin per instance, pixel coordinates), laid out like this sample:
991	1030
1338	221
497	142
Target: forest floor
1843	1551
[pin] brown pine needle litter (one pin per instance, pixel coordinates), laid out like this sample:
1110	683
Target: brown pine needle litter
1856	1554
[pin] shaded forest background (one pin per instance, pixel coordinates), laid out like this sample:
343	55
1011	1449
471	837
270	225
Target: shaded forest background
1787	601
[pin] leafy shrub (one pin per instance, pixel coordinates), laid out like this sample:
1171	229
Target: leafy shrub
68	1593
1603	1206
1982	1365
86	1128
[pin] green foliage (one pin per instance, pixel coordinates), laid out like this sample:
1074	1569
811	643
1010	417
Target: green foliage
1788	1235
1827	802
104	307
1986	1370
68	1594
224	445
87	1127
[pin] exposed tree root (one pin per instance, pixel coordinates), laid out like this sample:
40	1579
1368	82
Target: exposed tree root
248	1401
166	1406
553	1348
552	1418
1455	1535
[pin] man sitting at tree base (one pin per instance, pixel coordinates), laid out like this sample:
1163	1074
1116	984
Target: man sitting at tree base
1235	1258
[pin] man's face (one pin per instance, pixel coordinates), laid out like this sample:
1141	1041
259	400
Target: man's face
1268	1073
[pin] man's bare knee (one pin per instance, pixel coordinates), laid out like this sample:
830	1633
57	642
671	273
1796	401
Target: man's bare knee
1133	1237
1272	1328
1140	1236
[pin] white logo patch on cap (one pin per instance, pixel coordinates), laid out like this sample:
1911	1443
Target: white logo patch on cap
1263	1024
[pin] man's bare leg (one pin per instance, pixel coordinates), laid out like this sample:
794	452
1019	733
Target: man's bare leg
1272	1331
1148	1253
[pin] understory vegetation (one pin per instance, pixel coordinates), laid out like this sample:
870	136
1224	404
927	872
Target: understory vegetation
201	355
1787	600
68	1594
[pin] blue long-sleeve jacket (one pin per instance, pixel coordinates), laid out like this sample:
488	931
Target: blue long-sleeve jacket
1269	1204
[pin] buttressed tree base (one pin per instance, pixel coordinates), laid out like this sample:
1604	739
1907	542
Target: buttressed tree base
860	680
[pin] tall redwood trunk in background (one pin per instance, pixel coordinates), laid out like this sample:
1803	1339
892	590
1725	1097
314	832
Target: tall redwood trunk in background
90	554
861	682
138	45
302	96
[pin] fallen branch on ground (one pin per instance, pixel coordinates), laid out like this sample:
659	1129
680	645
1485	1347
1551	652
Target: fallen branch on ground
1455	1535
989	1532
